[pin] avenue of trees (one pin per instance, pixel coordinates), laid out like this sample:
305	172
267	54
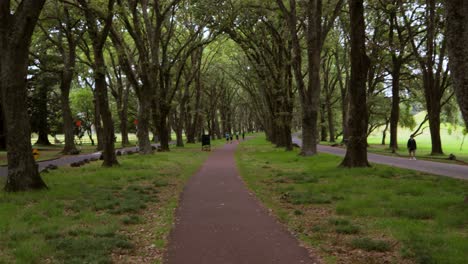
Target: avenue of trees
331	69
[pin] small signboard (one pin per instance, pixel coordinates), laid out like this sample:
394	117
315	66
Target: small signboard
206	143
36	154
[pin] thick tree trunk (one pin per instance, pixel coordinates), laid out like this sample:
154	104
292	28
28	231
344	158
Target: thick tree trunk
457	37
395	112
164	131
15	38
433	106
43	138
42	123
179	137
356	151
3	135
68	125
110	159
144	116
434	127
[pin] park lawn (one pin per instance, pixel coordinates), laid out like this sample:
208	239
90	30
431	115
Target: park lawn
98	215
367	215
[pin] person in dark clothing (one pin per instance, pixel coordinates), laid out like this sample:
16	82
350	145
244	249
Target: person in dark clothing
230	138
237	136
412	147
243	135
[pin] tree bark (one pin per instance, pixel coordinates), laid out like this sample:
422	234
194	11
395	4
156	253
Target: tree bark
15	38
356	151
395	112
457	37
42	112
123	114
3	135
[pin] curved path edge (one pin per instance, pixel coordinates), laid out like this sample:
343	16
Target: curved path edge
437	168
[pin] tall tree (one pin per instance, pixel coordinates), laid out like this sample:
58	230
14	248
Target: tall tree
457	37
99	26
16	29
356	151
316	32
65	40
430	52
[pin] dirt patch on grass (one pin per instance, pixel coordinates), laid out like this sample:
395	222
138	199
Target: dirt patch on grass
150	228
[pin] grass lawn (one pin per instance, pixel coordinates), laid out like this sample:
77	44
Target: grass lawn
370	215
98	215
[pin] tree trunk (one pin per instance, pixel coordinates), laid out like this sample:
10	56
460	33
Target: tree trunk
42	112
457	37
323	127
123	114
384	133
331	123
68	125
110	159
356	151
144	116
98	124
164	131
395	112
3	135
434	127
15	38
179	138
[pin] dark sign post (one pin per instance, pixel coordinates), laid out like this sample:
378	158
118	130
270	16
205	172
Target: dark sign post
206	143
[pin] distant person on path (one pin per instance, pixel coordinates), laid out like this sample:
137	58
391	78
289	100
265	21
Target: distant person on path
243	135
412	147
237	136
230	138
227	137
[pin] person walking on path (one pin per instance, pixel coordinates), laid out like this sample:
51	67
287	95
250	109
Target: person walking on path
227	137
243	135
237	136
230	138
412	147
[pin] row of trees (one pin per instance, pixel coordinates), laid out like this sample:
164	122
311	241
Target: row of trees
191	66
392	61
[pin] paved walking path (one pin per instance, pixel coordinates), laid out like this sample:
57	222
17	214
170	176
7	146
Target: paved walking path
67	160
219	222
438	168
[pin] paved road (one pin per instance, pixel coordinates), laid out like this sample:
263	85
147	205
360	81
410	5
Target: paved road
219	222
67	160
442	169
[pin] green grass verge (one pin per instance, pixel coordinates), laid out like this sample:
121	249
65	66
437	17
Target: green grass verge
364	215
91	212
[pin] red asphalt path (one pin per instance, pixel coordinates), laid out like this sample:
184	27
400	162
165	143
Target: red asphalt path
220	222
